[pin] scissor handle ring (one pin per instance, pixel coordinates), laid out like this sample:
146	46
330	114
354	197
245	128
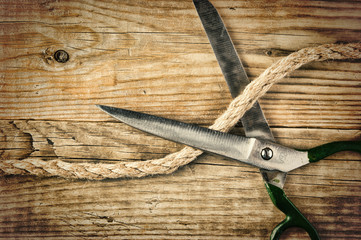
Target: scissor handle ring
294	217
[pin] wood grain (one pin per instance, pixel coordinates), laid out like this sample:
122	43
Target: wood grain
153	56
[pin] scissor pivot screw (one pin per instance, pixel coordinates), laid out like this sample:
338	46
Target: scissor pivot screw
266	153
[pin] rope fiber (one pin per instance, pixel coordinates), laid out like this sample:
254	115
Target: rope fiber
171	162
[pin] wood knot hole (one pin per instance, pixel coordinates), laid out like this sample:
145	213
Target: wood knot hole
61	56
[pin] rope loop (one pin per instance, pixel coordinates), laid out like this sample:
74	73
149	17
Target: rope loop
171	162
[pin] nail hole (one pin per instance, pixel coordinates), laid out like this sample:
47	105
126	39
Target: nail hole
61	56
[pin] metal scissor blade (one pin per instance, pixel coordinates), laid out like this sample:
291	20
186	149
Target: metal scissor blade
253	121
243	149
203	138
222	45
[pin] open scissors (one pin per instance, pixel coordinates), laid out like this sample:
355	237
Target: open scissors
257	148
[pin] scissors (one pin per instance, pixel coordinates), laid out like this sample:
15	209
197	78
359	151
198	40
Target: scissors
257	148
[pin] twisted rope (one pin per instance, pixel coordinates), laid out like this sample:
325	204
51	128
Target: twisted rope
173	161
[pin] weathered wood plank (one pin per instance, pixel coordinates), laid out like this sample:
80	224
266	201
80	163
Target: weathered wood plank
121	56
199	201
211	198
153	56
115	141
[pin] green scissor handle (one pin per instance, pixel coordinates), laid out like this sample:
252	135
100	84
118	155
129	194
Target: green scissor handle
317	153
294	217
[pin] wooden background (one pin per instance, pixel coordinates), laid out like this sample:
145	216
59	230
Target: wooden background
153	56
